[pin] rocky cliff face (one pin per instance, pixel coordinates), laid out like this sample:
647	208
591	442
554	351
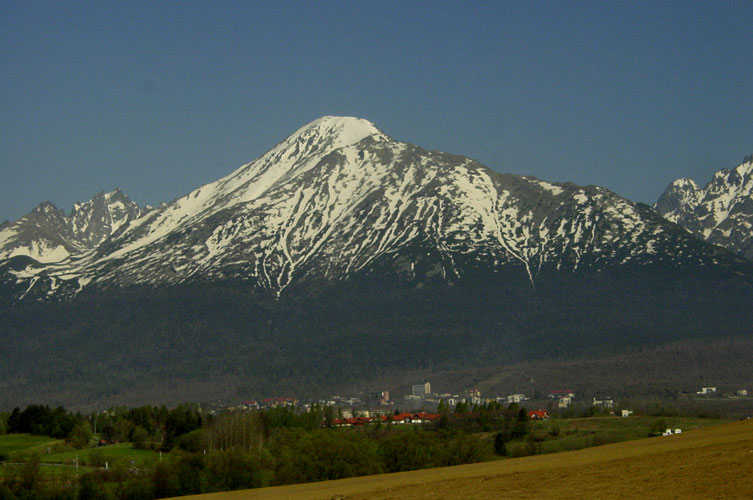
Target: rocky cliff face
48	235
721	212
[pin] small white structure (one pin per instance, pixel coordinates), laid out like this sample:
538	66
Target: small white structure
605	402
742	392
516	398
669	432
707	390
627	413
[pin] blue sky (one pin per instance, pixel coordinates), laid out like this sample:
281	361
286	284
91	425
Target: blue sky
158	98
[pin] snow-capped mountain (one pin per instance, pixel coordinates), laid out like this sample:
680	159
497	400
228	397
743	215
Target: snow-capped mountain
337	198
721	212
343	254
47	235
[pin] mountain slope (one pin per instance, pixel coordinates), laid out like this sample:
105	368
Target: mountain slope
338	196
342	257
721	212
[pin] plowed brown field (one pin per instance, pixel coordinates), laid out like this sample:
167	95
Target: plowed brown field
710	463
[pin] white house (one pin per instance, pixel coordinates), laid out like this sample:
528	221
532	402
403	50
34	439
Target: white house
606	402
564	402
516	398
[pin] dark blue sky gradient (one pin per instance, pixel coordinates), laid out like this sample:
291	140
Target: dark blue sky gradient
158	98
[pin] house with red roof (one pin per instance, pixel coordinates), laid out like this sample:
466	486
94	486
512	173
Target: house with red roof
538	415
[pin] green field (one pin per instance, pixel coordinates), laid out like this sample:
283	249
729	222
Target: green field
556	435
121	452
11	444
58	459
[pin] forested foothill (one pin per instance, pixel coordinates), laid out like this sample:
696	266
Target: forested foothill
223	340
155	452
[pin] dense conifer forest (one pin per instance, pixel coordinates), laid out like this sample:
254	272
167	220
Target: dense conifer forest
222	340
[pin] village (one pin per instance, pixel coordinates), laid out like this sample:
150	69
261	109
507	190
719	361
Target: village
424	406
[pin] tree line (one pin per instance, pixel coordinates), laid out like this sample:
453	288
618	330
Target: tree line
249	449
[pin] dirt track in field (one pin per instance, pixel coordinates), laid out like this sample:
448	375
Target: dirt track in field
710	463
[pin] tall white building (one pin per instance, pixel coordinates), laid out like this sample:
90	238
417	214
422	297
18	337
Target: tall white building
421	390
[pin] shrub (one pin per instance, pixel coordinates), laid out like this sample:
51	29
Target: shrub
80	436
97	459
233	470
139	437
554	429
194	441
464	449
409	450
327	454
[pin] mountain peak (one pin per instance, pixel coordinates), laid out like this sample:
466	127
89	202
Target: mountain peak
46	207
340	130
746	167
296	154
720	212
684	183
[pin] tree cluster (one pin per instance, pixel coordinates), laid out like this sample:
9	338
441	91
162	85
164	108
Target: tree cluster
236	450
149	427
44	421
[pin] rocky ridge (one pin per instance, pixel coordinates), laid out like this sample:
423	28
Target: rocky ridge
48	235
721	212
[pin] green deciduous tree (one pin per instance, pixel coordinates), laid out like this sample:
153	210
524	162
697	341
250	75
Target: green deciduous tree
139	438
80	436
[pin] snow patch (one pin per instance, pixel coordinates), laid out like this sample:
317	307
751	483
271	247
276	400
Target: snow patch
41	251
556	190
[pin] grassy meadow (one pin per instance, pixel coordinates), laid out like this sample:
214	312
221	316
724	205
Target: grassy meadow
59	460
557	435
11	444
